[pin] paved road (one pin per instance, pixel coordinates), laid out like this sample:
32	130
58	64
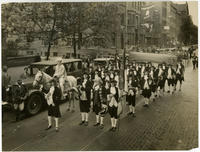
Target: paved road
170	123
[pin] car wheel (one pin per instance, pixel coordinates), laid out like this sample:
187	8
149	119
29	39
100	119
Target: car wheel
34	104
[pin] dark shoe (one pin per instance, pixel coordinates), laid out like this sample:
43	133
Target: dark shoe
81	123
86	123
168	91
134	115
101	126
49	127
111	129
68	109
145	105
130	113
73	111
114	129
57	130
97	124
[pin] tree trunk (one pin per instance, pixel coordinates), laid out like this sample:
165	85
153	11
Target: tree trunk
52	34
79	39
48	51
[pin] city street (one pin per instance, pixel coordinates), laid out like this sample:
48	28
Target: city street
170	123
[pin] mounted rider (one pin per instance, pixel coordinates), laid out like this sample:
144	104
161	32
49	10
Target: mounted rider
61	74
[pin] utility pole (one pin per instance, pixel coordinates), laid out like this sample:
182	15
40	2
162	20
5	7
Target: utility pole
125	41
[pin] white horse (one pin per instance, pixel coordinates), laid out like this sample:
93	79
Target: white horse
70	86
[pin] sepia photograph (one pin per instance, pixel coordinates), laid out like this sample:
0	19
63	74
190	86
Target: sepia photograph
99	76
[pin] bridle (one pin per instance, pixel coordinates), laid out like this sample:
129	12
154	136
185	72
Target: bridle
39	81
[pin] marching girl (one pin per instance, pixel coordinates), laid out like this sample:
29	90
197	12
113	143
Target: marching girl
116	78
85	93
179	75
113	105
105	91
97	99
170	80
164	68
131	97
53	98
153	88
146	89
112	76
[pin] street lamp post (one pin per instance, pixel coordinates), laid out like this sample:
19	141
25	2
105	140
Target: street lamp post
125	42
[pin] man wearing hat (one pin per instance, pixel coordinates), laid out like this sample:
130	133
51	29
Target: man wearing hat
60	73
20	95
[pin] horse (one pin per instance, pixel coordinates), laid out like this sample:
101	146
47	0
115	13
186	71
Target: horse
70	86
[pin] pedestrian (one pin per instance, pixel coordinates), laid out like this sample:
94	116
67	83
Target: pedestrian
85	93
5	83
20	94
113	106
53	98
195	62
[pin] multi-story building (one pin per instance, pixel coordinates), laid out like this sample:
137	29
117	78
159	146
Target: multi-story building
165	19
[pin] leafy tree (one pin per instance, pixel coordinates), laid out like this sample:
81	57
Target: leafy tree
188	31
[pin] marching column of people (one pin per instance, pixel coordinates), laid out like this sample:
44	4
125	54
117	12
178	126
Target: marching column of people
99	89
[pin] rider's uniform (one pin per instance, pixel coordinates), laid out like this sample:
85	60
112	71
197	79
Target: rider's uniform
61	73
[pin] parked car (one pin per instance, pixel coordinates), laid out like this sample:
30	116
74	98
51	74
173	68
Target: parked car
36	101
102	61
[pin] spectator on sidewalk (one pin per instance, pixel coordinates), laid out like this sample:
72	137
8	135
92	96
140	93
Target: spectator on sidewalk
20	95
5	83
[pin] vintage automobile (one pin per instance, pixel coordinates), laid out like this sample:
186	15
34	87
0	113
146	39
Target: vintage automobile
102	61
36	101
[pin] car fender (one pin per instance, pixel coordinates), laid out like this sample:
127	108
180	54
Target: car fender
35	91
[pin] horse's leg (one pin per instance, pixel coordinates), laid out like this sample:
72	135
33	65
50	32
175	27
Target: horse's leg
73	98
61	81
69	100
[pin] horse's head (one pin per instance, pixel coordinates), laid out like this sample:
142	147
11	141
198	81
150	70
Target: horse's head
38	78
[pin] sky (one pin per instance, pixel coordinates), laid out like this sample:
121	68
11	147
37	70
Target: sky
193	10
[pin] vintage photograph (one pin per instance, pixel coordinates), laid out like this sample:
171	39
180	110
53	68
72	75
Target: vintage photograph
99	76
